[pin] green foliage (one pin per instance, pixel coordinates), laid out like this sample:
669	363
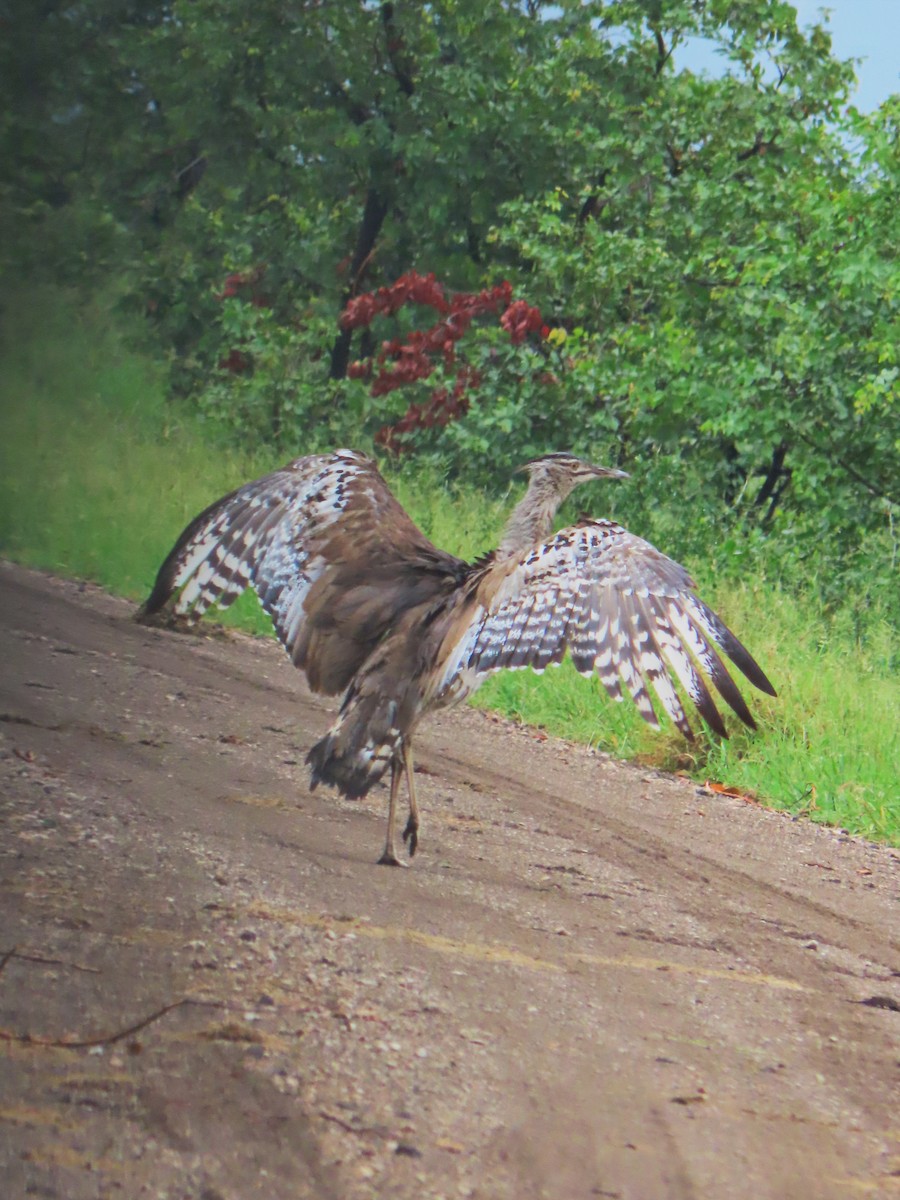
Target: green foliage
96	469
715	258
826	746
720	252
76	136
98	475
279	396
759	349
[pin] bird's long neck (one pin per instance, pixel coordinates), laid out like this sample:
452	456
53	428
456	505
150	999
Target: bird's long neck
532	519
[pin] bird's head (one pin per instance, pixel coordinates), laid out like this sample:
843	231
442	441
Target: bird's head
562	472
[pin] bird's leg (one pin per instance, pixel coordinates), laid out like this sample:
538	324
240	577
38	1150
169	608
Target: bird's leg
389	857
411	832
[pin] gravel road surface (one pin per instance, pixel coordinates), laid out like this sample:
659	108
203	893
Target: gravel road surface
592	982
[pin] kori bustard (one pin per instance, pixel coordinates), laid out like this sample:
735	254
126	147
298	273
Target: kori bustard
364	603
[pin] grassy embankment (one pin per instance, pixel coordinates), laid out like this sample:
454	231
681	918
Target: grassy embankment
98	476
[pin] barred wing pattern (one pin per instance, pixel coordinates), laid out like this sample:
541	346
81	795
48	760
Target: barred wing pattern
296	530
620	607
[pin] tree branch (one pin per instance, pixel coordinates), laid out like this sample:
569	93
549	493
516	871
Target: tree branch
872	488
357	113
675	157
663	54
777	479
394	44
593	206
759	148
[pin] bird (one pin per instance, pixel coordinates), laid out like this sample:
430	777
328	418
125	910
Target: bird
366	605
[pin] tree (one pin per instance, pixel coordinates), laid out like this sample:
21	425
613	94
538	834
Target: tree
76	133
714	258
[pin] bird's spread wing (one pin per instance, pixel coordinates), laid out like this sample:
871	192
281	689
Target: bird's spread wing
620	608
330	552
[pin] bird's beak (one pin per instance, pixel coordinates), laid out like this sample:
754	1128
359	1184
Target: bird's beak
608	473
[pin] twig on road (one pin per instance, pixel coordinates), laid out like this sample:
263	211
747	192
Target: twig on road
104	1039
15	952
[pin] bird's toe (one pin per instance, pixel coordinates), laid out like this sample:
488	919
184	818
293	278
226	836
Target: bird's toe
411	836
389	859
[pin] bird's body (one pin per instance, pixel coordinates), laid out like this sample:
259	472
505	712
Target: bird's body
364	603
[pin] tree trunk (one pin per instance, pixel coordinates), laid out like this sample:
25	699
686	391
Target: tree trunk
374	213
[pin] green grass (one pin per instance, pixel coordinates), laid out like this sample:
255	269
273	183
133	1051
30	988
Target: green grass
98	475
827	746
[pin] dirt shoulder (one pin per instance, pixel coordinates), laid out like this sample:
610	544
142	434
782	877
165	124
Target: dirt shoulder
591	982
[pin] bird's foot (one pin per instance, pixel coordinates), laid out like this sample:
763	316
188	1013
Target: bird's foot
411	835
389	859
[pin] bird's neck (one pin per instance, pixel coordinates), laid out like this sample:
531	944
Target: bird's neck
531	520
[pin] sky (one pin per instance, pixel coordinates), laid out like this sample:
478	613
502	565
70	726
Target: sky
864	29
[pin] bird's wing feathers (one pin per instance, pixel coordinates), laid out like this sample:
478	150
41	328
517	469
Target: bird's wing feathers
290	535
620	608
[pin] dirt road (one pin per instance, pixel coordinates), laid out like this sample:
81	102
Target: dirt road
591	982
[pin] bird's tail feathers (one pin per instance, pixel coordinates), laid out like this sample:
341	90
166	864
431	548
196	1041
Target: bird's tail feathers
359	747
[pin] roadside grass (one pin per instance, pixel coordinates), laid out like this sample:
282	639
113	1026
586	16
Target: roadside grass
99	474
827	746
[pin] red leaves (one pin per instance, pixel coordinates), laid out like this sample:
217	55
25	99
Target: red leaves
412	363
442	408
239	282
520	319
723	789
411	288
414	357
235	361
246	285
233	284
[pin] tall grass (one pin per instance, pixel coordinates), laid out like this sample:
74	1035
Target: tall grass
99	473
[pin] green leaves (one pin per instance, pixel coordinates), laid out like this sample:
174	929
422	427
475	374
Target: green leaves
717	256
